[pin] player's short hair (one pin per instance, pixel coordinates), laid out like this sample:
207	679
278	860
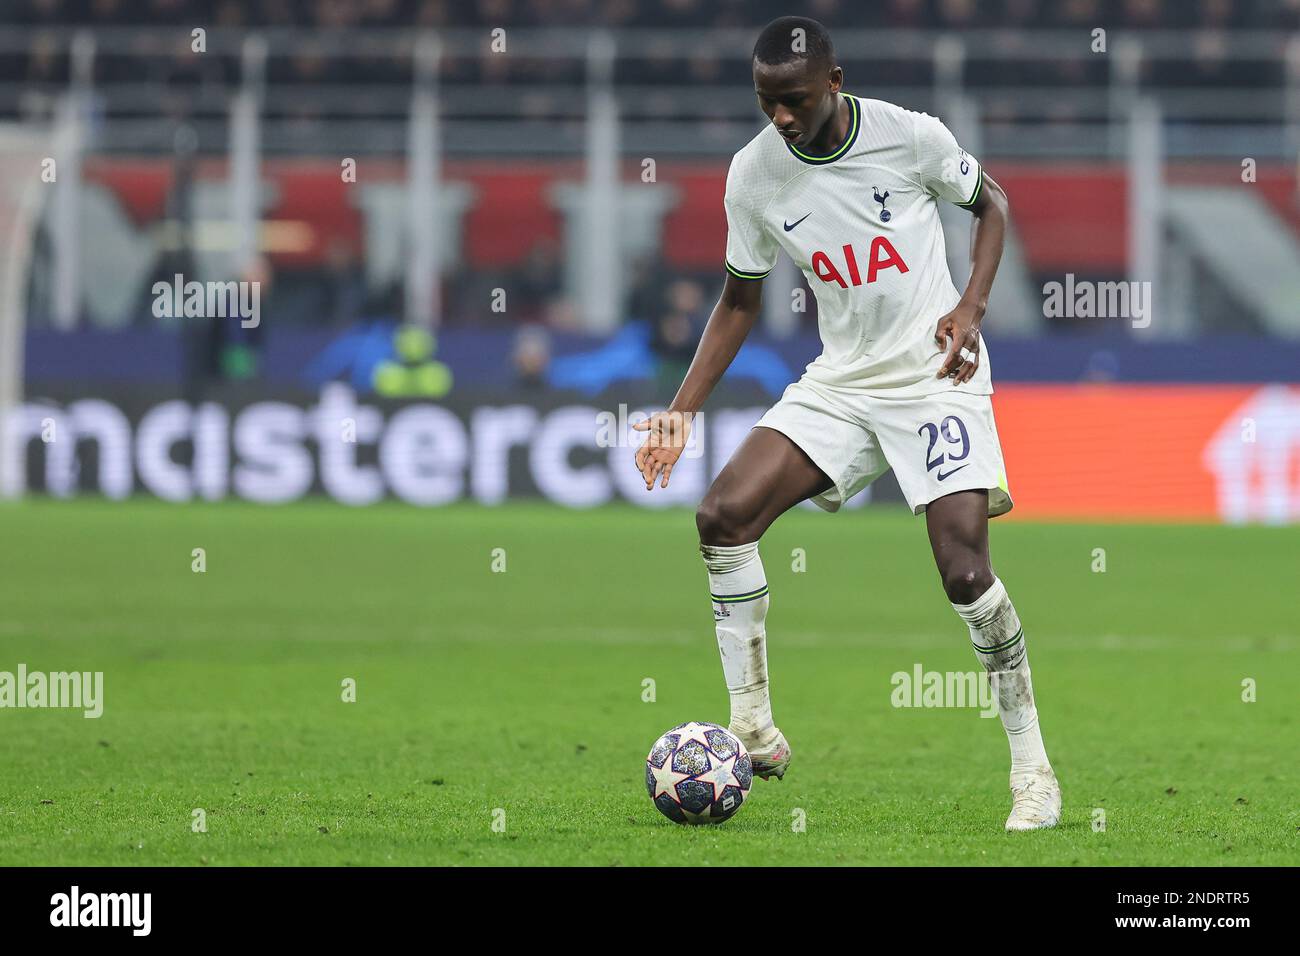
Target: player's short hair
776	43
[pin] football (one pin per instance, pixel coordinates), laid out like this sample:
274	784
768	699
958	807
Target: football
698	773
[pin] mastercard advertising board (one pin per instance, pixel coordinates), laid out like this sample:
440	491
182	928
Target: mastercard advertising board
1152	452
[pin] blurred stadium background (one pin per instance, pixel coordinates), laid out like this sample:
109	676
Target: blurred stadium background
476	226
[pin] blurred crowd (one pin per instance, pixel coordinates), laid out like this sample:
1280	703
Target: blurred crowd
353	14
655	62
35	72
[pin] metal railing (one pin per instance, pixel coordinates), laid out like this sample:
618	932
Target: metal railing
500	101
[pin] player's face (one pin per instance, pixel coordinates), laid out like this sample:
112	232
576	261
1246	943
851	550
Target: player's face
798	97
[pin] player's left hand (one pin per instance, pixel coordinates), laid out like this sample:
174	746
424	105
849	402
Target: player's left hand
959	333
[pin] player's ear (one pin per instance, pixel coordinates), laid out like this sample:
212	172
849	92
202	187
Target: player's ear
836	79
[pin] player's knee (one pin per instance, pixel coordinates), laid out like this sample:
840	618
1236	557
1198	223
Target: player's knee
966	579
723	521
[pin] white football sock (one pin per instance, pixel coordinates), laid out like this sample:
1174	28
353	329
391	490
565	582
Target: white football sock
739	591
1000	645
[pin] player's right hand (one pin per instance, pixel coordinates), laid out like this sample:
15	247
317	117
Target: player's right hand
665	443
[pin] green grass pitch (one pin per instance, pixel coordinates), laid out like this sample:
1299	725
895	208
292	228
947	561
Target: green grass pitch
522	691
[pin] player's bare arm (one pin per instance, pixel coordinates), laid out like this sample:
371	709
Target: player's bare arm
728	325
959	330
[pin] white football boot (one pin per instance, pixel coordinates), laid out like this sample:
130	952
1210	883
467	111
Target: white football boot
1036	800
769	755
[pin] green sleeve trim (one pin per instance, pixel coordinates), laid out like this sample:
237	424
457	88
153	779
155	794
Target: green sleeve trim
741	274
979	185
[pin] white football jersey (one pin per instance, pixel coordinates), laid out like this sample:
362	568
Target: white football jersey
863	225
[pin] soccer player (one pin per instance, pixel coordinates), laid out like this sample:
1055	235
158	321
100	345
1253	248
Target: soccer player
850	188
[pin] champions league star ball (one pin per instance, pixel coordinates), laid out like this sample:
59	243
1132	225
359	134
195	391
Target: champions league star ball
698	773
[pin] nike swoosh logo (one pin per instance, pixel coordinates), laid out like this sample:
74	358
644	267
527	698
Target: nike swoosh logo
791	225
941	475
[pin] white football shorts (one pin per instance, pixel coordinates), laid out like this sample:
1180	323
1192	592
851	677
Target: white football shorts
937	444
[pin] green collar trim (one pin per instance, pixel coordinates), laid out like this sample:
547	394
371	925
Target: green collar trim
855	120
